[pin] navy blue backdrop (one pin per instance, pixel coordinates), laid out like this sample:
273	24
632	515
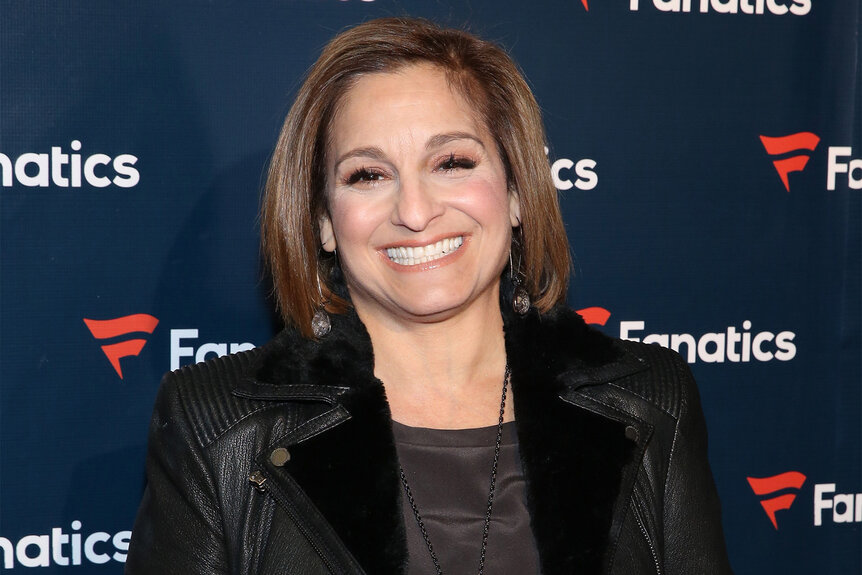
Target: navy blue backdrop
708	155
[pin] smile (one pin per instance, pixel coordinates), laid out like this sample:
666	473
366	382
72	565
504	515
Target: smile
411	256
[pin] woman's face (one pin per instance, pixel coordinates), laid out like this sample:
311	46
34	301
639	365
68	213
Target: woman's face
418	205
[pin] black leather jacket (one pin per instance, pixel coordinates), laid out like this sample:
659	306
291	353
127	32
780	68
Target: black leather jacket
282	459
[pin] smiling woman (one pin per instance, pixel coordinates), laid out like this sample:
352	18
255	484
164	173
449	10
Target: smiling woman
482	83
425	176
432	405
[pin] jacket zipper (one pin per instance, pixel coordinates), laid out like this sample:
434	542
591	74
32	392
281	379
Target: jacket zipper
260	482
647	538
258	479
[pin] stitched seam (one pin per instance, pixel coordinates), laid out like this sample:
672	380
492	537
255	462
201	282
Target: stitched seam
638	365
613	557
647	400
303	386
311	395
262	534
316	535
296	430
649	543
641	449
682	409
219	435
626	415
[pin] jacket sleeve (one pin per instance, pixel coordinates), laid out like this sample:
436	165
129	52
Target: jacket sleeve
178	529
694	539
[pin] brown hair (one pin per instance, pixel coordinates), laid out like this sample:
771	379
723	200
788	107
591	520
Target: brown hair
485	76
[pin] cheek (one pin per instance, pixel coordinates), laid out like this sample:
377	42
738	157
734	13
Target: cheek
487	200
353	221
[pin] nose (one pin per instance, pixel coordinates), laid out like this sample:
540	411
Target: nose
416	205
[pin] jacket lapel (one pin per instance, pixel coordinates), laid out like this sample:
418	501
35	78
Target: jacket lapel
576	453
343	467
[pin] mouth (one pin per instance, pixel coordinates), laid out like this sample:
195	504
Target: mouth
411	256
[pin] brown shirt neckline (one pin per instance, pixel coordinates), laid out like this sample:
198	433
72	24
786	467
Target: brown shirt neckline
449	472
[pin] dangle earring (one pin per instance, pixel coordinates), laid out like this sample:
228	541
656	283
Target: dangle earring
520	297
320	324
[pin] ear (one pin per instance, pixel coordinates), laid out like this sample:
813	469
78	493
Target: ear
327	235
514	208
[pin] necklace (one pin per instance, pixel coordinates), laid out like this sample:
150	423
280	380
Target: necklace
487	525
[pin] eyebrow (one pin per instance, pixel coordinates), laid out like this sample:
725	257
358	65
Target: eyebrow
367	152
436	141
443	139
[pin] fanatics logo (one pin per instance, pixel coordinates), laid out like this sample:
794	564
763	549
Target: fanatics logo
790	480
791	144
731	344
112	328
777	7
586	7
65	170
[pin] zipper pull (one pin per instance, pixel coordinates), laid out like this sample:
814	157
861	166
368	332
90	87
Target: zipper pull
257	479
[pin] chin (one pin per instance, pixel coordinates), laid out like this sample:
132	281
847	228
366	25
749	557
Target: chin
432	307
428	312
425	302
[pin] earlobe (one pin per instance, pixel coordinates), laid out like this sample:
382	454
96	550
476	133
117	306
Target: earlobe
514	208
327	236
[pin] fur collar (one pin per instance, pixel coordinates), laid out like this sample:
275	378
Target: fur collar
573	457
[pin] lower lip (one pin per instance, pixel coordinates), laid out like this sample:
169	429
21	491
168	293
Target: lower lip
432	265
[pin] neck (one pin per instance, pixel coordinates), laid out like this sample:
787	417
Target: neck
446	374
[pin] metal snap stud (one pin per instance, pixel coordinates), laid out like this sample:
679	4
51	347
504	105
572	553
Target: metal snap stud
279	456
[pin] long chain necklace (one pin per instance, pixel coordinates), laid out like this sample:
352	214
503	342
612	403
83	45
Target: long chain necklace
487	525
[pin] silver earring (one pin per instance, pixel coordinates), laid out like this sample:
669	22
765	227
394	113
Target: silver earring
320	324
520	297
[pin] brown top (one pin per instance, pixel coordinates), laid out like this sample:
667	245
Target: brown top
449	473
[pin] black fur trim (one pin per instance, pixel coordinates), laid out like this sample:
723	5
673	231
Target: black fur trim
572	458
350	472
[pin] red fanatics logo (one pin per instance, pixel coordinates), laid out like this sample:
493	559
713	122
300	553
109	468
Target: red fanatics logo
111	328
790	480
783	145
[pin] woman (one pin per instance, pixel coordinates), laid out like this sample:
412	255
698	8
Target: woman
432	407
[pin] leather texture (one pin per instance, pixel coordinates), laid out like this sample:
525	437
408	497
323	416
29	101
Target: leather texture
611	434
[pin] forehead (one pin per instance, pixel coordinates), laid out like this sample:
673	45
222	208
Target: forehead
413	99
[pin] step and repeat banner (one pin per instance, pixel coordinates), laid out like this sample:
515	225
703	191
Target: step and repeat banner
708	157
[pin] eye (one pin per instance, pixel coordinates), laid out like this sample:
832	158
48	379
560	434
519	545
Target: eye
454	162
363	175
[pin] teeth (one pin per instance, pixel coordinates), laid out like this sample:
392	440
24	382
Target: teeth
410	256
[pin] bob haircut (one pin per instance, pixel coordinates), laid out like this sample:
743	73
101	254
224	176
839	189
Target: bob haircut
482	73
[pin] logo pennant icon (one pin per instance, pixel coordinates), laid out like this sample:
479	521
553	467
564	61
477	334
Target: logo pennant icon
120	326
769	485
786	144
